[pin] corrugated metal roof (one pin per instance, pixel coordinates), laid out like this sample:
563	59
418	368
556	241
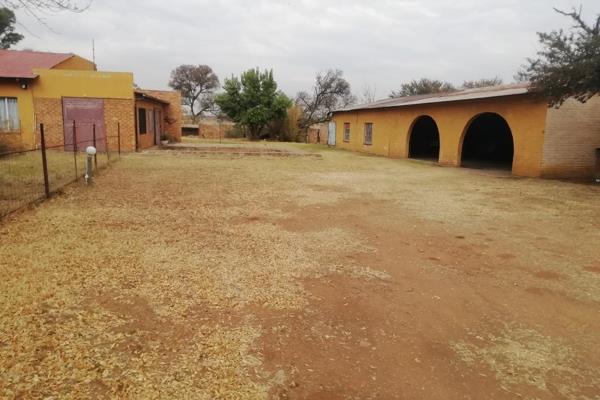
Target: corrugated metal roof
468	94
141	94
20	63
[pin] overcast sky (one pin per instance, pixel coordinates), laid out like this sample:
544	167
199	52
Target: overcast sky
380	43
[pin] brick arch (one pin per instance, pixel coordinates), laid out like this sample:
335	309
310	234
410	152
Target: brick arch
426	126
493	148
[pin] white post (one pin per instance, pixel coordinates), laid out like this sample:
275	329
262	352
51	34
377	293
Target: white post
89	166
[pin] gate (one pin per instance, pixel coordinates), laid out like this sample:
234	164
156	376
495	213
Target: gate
88	115
331	134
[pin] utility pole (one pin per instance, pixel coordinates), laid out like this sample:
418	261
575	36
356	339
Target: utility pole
93	52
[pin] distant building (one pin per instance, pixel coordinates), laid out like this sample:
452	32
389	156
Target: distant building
62	90
505	126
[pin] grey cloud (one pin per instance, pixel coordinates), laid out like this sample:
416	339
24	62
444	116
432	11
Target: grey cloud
378	42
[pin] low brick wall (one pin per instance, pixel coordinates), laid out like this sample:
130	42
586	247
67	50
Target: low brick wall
317	134
214	131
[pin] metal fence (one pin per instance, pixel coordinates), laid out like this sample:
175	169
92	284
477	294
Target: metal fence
28	176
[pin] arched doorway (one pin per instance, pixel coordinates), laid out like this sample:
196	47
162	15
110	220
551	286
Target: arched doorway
424	141
487	143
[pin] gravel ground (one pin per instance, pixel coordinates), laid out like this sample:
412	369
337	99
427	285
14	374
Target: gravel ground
341	276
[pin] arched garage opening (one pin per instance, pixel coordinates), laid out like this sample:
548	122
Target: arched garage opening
424	142
487	143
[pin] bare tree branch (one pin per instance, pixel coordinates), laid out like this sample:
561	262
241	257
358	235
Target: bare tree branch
576	15
37	8
330	92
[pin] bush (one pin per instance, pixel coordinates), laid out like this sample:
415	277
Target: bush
285	129
237	132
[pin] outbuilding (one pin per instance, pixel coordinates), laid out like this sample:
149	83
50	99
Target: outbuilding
499	127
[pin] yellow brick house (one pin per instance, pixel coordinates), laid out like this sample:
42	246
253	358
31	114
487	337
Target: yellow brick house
60	90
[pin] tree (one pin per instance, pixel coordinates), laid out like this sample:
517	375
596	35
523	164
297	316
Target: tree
37	7
197	84
34	6
8	36
368	95
568	64
331	92
423	86
481	83
253	101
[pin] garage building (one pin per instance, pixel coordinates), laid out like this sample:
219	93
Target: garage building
505	127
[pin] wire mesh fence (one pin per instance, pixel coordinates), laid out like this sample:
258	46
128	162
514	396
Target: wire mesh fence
27	176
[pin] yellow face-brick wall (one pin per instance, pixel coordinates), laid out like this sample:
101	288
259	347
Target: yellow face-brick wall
119	117
526	116
173	116
572	137
49	113
118	113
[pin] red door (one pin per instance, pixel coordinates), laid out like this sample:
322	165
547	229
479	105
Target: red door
88	115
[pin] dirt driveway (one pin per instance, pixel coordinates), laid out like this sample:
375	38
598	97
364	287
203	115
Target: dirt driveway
340	277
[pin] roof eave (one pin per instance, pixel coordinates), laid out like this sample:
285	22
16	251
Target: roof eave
445	100
17	77
145	96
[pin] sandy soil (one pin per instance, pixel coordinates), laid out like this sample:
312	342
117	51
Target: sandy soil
334	277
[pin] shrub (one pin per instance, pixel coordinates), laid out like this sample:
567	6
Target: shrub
236	132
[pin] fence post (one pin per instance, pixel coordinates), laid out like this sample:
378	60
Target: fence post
119	138
106	147
94	142
75	149
44	161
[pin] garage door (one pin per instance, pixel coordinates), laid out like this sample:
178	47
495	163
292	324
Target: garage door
86	113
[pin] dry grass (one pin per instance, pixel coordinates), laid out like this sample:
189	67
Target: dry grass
22	178
118	300
521	356
133	288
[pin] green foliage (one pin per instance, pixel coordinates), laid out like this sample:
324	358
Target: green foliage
237	132
8	36
423	86
568	64
482	83
286	129
253	101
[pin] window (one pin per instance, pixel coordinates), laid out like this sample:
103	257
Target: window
9	114
369	133
346	131
142	126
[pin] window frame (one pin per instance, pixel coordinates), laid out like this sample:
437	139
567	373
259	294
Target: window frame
143	121
346	132
4	105
370	141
